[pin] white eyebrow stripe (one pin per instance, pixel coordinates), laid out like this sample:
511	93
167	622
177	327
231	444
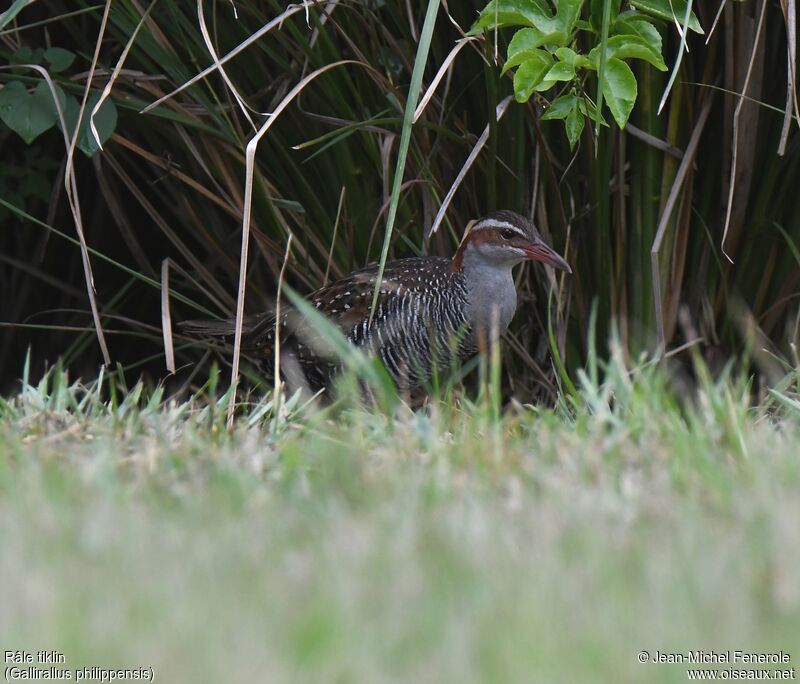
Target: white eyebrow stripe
494	223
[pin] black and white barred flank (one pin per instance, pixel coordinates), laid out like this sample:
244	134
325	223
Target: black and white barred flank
420	323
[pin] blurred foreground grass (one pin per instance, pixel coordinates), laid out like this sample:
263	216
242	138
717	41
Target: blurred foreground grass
440	546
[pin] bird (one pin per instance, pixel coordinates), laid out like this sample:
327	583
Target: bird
432	312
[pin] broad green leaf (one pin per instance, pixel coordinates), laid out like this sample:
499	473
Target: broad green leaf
568	13
525	43
634	24
28	114
26	55
596	12
560	107
530	74
619	90
105	121
627	47
574	125
668	10
23	55
567	108
59	59
569	56
560	71
500	13
532	13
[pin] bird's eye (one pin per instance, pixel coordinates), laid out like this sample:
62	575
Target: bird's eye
507	234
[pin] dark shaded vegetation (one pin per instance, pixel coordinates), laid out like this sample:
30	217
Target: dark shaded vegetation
168	184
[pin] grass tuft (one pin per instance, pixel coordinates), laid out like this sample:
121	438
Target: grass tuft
433	545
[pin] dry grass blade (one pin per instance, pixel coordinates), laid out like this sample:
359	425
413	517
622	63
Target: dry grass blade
686	163
335	233
40	274
201	18
473	155
158	160
277	21
653	141
431	91
716	20
121	218
544	381
683	30
170	231
385	208
250	158
756	340
790	17
166	318
115	73
214	157
322	21
71	188
200	287
276	393
735	141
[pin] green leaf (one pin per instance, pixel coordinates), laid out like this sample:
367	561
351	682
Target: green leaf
568	13
574	125
596	12
619	90
532	13
59	59
28	114
601	66
105	121
560	107
560	71
12	11
530	74
23	55
571	57
627	47
668	10
525	42
637	24
589	109
500	13
567	108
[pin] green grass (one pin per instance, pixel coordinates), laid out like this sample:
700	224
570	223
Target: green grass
436	546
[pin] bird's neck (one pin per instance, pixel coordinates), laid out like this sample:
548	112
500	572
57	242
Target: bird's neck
490	289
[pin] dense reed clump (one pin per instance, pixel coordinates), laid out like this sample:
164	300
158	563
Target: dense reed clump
681	229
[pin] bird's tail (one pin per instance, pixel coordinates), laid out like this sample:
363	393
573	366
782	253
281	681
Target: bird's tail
226	327
215	327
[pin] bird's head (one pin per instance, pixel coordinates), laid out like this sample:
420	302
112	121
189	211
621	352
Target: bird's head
504	239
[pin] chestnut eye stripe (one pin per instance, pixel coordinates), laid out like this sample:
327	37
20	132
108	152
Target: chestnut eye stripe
507	230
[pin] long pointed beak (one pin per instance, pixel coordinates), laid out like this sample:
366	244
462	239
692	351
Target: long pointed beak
539	251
